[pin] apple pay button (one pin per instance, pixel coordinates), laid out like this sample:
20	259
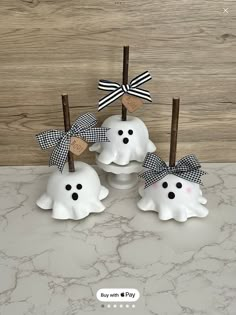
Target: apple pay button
118	295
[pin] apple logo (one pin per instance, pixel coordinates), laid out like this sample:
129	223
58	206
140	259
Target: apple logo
122	294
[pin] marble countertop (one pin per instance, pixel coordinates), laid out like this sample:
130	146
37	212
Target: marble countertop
56	267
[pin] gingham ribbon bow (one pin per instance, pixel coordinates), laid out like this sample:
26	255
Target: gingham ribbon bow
120	89
82	128
187	168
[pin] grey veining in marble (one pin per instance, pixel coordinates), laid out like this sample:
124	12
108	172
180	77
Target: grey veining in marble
56	267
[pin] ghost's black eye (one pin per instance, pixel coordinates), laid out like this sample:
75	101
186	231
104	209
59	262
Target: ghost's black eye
79	186
130	132
165	185
120	132
68	187
179	185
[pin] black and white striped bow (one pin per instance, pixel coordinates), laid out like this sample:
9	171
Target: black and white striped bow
120	89
187	168
82	128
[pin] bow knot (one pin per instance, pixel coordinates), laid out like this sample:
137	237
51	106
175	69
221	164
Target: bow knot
82	128
125	88
171	169
187	168
119	89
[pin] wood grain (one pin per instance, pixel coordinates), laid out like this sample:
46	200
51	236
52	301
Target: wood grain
50	47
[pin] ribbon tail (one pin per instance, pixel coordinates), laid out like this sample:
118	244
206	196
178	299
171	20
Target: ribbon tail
59	154
144	94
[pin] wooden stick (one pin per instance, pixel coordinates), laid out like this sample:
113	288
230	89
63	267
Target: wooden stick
174	131
125	77
66	114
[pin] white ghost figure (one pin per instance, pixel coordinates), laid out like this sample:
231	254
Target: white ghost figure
173	198
73	195
129	141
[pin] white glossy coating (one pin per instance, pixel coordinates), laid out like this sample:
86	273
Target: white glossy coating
172	202
73	195
129	141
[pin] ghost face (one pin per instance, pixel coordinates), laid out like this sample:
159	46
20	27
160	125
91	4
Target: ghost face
129	141
73	195
174	198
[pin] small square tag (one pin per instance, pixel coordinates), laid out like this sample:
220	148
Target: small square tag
132	103
77	145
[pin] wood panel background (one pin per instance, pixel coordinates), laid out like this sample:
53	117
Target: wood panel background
53	46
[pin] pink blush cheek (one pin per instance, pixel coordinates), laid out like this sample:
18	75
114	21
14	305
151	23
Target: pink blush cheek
155	185
189	190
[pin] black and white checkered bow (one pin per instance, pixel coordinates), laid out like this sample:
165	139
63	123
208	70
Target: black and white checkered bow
187	168
120	89
82	128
